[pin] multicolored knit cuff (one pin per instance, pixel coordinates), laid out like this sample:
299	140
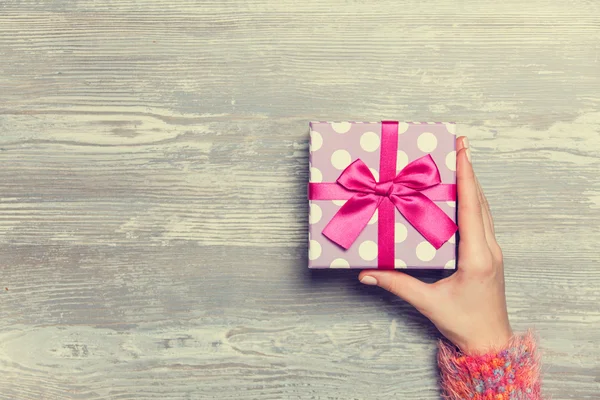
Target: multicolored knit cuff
511	373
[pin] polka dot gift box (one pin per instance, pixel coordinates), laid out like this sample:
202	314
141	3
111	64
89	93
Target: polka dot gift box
382	195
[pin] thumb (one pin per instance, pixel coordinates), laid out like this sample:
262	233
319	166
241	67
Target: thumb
408	288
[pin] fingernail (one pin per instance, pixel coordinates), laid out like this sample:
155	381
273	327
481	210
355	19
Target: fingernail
468	151
369	280
465	142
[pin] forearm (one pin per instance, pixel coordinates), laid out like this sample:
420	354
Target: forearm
511	373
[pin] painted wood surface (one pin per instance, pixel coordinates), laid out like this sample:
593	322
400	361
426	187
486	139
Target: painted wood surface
153	162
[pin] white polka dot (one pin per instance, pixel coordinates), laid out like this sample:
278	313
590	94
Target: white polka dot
402	127
450	265
315	175
341	127
369	141
339	202
375	174
451	161
368	250
314	250
398	263
451	128
425	251
339	263
427	142
315	214
451	203
401	161
316	140
373	218
452	239
401	232
340	159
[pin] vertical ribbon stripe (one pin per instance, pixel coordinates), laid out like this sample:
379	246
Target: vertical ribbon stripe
387	213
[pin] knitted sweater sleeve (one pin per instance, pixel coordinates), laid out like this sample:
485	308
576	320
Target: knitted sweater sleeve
510	373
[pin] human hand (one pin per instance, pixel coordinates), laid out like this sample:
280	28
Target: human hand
469	307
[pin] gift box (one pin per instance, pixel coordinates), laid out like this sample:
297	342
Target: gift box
382	195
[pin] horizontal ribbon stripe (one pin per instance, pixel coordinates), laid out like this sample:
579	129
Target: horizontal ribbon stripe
333	191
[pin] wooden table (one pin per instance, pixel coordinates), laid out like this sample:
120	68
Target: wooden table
153	162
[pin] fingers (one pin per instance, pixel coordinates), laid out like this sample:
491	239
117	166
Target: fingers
408	288
476	231
470	216
490	232
488	222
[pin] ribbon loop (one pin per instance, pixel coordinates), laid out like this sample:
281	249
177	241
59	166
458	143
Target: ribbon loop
420	174
357	177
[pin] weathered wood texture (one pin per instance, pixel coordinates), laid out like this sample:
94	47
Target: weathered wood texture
153	161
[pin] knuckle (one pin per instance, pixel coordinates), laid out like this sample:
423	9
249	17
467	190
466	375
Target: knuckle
482	263
497	253
486	269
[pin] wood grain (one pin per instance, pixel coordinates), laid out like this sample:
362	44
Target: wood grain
153	161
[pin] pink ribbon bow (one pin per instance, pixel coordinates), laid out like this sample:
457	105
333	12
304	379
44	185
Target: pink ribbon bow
412	192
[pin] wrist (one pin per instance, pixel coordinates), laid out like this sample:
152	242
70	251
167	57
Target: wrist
482	344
